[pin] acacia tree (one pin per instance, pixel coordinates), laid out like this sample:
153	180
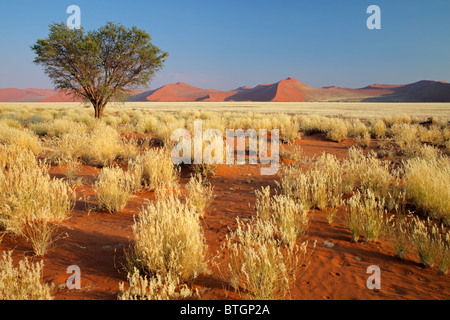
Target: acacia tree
101	65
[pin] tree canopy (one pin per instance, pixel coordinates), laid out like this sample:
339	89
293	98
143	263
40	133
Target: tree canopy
101	65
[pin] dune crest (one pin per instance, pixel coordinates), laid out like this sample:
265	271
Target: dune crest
286	90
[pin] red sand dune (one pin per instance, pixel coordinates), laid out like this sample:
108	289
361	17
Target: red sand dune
291	89
382	86
421	91
285	90
178	92
61	97
24	95
216	96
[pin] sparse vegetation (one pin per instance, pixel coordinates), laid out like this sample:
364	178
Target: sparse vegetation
379	190
432	243
27	193
19	137
141	287
200	193
113	189
23	282
378	130
399	233
259	265
427	185
369	213
168	240
290	218
152	169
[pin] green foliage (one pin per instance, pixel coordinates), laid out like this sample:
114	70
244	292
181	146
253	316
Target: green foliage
99	65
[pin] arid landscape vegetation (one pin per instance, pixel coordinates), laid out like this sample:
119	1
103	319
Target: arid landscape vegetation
225	156
359	184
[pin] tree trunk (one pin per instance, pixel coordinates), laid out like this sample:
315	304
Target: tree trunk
98	108
99	105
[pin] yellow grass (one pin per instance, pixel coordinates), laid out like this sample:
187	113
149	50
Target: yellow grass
22	282
335	109
141	287
113	189
169	240
427	184
259	265
27	193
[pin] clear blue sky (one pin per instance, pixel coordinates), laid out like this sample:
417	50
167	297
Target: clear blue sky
225	44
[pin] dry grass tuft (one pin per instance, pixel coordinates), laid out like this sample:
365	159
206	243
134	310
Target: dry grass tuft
432	244
113	189
365	216
19	137
22	282
200	193
259	266
152	169
28	194
168	240
427	185
141	287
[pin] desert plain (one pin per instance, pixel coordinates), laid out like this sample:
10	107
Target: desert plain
349	172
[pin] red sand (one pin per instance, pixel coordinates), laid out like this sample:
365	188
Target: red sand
177	92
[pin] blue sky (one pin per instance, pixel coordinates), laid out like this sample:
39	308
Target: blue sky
227	44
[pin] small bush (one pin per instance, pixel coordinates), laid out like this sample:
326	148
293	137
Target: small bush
152	169
103	144
57	128
19	137
402	118
169	240
337	131
378	130
12	154
289	216
318	187
399	233
366	172
365	216
356	128
40	234
259	266
28	194
406	137
289	132
427	185
428	242
146	124
113	189
294	183
292	152
141	287
200	193
364	140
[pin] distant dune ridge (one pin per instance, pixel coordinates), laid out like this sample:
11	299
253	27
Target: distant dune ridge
286	90
25	95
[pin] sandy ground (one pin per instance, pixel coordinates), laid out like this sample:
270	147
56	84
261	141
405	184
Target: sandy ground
95	241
